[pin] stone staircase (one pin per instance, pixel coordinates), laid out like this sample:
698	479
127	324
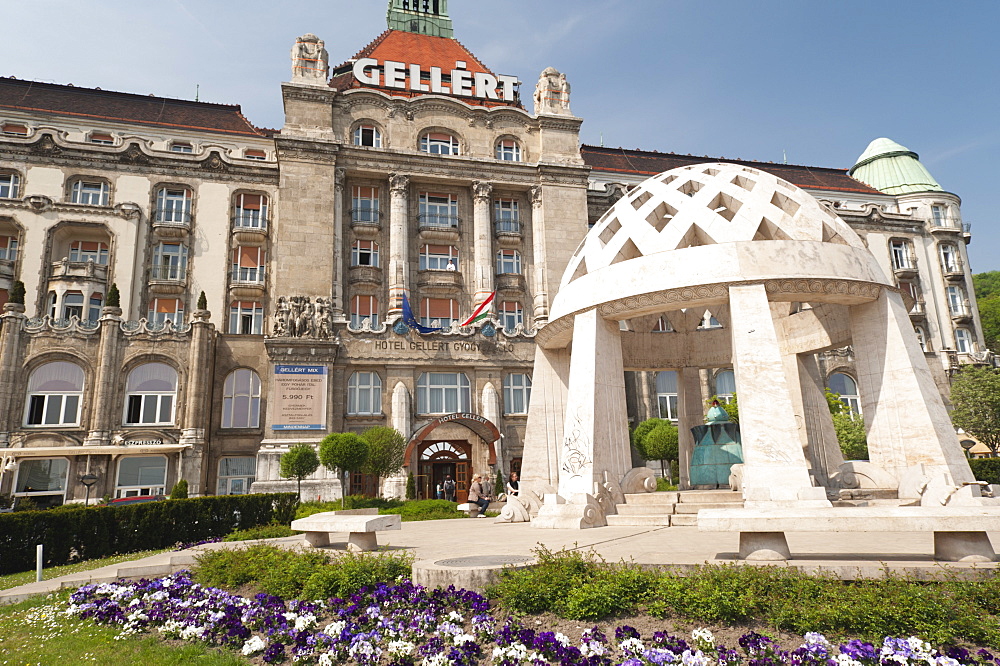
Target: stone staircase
677	508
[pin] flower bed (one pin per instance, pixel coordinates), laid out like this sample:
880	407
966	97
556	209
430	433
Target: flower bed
404	624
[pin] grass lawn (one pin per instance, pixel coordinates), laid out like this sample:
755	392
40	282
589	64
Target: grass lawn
36	632
23	578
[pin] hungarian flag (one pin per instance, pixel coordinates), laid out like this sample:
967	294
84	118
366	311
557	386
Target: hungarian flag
482	312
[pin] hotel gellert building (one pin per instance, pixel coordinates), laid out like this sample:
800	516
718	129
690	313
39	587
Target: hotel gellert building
272	284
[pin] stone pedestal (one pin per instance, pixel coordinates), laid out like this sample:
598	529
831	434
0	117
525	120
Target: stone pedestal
963	547
764	546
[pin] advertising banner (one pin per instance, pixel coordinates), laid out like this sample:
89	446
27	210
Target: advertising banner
298	400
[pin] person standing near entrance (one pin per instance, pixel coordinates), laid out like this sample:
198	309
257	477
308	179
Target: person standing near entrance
449	488
477	495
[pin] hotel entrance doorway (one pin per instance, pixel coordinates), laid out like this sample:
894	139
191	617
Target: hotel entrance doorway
438	460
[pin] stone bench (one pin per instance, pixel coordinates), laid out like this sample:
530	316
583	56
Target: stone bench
959	532
360	524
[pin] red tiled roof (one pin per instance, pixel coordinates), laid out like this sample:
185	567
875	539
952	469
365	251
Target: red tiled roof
410	47
649	163
35	97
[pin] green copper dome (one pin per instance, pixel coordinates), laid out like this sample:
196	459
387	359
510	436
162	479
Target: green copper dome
893	169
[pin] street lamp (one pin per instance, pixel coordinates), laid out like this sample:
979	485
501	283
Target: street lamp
967	444
88	480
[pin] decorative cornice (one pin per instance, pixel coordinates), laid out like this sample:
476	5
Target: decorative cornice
39	204
319	95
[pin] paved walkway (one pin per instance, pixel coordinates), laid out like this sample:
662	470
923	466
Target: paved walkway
845	554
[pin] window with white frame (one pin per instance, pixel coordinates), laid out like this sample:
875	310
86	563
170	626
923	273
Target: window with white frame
508	262
506	215
364	253
173	205
55	393
254	154
169	262
241	399
162	310
901	254
937	214
248	264
139	476
102	139
666	394
725	385
964	341
94	306
950	259
438	210
845	386
43	480
181	147
362	308
437	257
367	135
443	393
10	185
956	300
663	325
439	143
364	205
438	312
84	251
90	192
921	337
246	318
364	394
516	393
236	475
508	150
250	211
150	395
511	315
72	305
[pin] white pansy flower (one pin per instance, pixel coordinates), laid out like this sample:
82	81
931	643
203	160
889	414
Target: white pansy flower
632	647
334	628
562	639
455	616
846	660
254	645
401	648
696	658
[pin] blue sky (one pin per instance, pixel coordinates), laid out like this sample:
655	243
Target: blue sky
815	81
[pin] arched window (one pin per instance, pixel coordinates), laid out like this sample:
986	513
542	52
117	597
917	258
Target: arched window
443	393
963	341
508	262
666	394
439	143
90	192
516	393
508	150
173	206
511	314
847	389
241	399
725	385
367	135
364	394
364	307
55	392
139	476
364	253
151	391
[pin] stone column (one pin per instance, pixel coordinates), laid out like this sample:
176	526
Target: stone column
906	419
546	412
691	405
198	399
401	419
489	407
399	244
775	471
107	380
11	330
482	222
541	297
337	307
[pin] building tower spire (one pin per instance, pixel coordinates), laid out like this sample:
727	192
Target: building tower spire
424	17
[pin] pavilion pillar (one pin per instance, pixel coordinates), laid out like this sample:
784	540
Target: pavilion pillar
546	413
812	414
691	405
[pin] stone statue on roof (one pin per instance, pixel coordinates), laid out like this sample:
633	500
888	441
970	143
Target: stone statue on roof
552	93
310	61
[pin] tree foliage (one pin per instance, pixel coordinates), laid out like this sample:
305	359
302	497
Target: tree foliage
642	430
386	453
851	435
300	461
975	394
114	299
343	453
180	490
16	293
987	288
660	443
411	486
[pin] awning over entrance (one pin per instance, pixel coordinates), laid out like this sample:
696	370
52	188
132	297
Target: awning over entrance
54	451
483	427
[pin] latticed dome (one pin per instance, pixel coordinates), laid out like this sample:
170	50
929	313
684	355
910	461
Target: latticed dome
705	204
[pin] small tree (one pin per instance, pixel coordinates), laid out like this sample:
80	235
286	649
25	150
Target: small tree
17	293
661	444
202	301
300	461
851	435
344	453
114	299
644	429
499	487
180	490
411	486
975	394
386	453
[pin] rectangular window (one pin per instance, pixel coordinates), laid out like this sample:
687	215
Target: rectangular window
181	147
367	135
900	251
150	409
8	248
73	305
362	308
84	251
13	129
436	312
509	262
53	409
438	257
169	262
507	216
9	185
90	193
252	154
94	307
516	393
438	210
364	253
511	315
173	206
248	265
42	475
364	205
443	393
508	150
236	475
937	213
250	211
949	259
162	310
963	341
246	318
956	300
140	476
102	139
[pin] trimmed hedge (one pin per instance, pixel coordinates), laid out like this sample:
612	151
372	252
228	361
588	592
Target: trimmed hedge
89	533
986	469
